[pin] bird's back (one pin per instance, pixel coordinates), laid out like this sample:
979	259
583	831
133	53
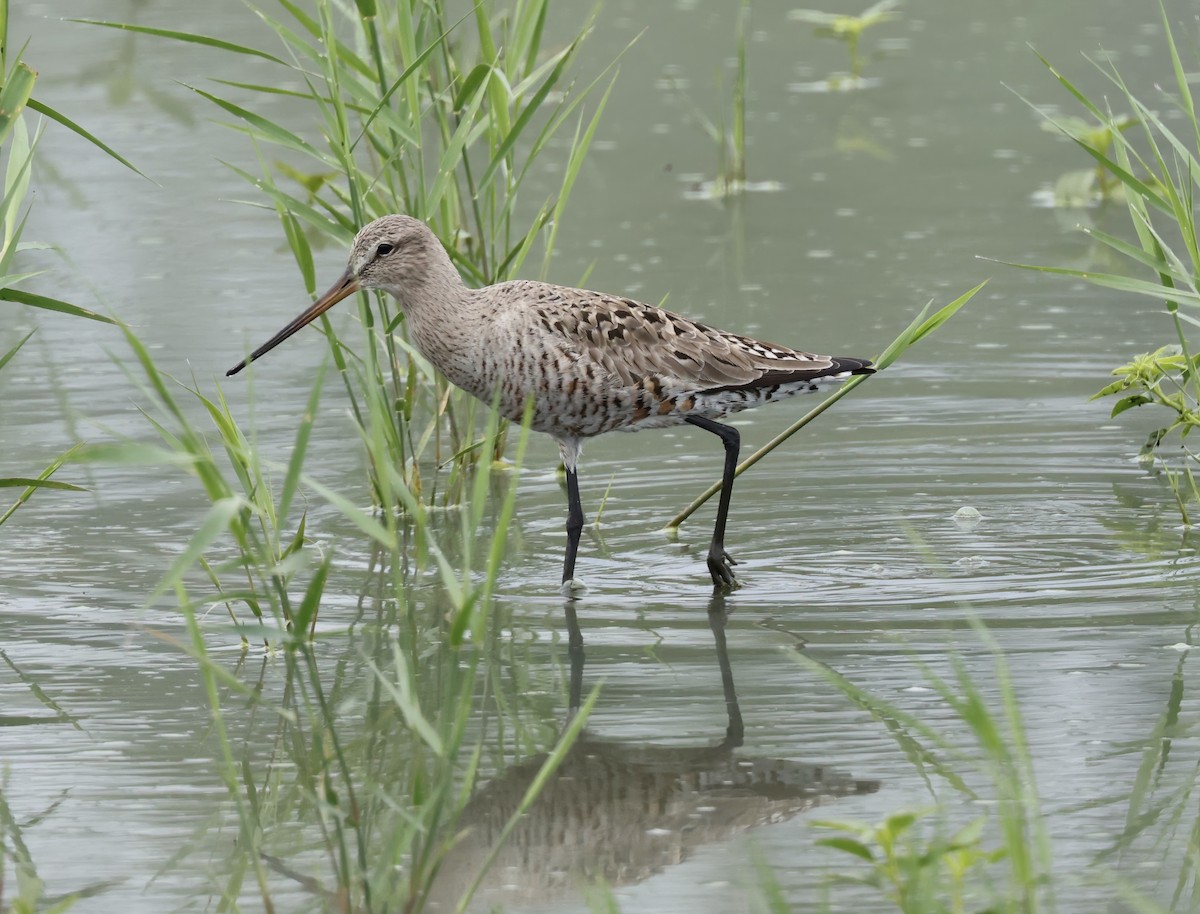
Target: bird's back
594	363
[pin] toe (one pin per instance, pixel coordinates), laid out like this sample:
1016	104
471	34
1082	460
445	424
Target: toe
720	568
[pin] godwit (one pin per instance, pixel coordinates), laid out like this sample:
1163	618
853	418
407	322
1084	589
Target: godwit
589	362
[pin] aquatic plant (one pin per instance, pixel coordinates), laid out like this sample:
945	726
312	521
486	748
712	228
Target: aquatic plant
848	29
938	870
1156	168
1086	186
729	134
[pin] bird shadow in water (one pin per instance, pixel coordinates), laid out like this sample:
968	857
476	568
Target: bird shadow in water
623	811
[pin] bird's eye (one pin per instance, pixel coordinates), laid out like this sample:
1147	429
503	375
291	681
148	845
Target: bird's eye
384	249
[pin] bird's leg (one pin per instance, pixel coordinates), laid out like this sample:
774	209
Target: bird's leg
574	523
720	563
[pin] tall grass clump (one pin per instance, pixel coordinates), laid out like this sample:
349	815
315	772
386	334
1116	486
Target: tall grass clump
350	756
1154	159
351	796
451	120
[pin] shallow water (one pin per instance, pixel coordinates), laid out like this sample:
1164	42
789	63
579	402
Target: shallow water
846	538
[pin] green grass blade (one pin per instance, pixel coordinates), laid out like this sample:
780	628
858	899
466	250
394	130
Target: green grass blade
579	150
291	480
134	453
34	485
364	520
216	522
1115	281
305	616
35	105
1105	162
532	108
14	96
17	175
53	304
7	357
1160	262
187	37
12	482
268	130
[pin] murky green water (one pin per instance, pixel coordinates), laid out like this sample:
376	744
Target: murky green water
846	538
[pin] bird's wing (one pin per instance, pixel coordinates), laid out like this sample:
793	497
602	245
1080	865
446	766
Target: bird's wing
634	341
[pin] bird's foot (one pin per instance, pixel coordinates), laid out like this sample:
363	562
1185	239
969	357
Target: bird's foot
720	566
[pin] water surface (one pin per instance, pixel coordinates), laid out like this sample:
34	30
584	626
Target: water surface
846	538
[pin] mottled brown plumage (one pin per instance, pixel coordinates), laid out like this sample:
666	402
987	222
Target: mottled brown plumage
588	362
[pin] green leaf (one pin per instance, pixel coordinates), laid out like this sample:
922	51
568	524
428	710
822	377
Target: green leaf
1114	281
1114	388
12	482
15	95
4	359
291	481
35	105
1128	403
970	834
216	522
849	845
33	485
470	85
922	326
134	454
363	519
305	614
900	822
267	130
188	37
52	304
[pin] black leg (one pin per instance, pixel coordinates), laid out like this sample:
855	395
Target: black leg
720	564
574	524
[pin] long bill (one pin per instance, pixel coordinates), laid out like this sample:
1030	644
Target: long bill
343	288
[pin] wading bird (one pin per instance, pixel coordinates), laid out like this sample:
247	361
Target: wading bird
588	363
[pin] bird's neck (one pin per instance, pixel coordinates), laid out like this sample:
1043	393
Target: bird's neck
442	315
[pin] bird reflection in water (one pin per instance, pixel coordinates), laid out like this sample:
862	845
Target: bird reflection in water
622	811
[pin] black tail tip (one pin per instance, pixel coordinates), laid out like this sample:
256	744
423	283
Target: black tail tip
235	369
854	366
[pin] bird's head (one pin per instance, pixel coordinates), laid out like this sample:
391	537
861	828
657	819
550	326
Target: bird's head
391	253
